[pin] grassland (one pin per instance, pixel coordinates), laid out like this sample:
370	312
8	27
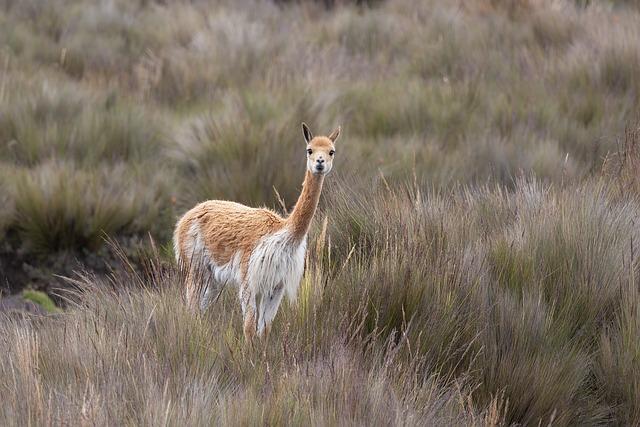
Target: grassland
475	258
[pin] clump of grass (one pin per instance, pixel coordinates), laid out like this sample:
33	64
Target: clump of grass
547	249
568	290
363	35
622	166
543	378
618	364
42	299
411	108
553	28
59	206
62	122
619	68
31	125
520	316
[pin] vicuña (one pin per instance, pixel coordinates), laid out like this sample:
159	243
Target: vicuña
257	250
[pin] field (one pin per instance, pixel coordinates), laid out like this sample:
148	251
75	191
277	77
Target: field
474	260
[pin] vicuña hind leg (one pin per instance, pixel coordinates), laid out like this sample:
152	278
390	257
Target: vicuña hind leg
249	314
250	324
199	290
191	292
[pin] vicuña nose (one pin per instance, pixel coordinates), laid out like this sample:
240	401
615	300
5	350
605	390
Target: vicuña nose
320	160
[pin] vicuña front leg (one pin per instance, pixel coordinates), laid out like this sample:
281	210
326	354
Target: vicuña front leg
268	307
259	310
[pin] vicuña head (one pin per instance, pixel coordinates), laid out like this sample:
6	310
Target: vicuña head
220	242
320	150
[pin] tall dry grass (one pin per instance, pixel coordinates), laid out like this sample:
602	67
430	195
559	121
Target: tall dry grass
425	311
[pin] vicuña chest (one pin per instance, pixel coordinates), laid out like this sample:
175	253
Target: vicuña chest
278	259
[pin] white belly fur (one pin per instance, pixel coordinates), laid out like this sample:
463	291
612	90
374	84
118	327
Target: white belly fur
200	257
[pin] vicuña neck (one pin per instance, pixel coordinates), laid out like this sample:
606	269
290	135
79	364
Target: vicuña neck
300	219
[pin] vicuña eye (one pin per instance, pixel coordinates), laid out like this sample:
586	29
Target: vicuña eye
332	152
309	151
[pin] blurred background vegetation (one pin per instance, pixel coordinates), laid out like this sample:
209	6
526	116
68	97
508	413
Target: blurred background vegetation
475	258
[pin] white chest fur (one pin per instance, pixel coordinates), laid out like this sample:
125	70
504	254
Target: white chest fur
277	261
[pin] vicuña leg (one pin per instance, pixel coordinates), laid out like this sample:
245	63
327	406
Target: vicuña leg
250	324
249	314
199	290
268	308
191	292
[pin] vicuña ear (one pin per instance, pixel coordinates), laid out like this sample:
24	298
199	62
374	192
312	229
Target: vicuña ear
308	136
335	134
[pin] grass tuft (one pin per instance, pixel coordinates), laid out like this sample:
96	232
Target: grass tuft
42	300
59	206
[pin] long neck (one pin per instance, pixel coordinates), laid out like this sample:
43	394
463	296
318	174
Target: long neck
300	219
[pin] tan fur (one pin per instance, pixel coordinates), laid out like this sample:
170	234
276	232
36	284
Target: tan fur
228	228
302	214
